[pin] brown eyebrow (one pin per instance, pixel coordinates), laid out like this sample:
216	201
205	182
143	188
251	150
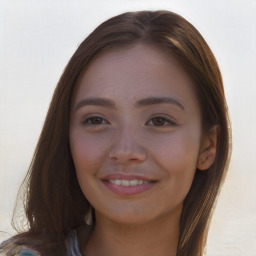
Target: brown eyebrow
96	102
141	103
159	100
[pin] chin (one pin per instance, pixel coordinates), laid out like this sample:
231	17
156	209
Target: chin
131	217
132	220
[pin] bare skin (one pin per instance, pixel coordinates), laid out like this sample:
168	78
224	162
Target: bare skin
124	133
116	239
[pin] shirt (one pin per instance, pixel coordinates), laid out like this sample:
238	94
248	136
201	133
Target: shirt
72	244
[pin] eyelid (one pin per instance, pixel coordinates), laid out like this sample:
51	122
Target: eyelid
168	120
89	117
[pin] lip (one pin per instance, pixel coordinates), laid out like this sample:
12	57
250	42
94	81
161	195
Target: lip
127	190
125	177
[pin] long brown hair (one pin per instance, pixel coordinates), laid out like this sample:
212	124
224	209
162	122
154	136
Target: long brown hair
54	203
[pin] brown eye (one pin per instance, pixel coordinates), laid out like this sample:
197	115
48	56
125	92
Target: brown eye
95	120
158	121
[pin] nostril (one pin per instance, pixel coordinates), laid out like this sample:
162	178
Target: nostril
127	156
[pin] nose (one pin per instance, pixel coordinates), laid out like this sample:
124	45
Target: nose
126	148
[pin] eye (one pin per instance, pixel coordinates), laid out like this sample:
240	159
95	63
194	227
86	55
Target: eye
160	121
94	120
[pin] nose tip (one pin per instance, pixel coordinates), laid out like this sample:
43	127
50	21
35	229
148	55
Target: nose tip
127	149
123	156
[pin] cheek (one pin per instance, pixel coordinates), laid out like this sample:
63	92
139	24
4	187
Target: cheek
177	152
87	152
177	156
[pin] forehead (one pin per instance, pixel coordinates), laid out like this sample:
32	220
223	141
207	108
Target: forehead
136	72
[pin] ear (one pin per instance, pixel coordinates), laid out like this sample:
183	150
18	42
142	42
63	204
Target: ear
208	148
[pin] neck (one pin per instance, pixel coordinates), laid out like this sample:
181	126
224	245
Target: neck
159	237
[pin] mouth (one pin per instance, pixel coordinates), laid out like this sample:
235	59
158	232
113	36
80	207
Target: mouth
128	185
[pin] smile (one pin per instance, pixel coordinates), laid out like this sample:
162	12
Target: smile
127	183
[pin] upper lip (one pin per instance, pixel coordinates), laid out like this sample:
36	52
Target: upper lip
121	176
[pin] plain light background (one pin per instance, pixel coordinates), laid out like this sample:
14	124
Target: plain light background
37	38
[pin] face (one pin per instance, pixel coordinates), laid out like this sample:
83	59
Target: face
135	134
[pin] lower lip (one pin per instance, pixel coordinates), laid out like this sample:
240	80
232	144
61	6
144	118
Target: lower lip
128	190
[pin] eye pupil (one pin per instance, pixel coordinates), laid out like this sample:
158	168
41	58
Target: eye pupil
158	121
96	120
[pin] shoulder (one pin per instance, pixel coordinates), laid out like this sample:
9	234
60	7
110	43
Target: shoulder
25	244
10	249
37	245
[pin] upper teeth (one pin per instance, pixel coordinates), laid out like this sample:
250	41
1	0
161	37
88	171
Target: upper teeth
128	182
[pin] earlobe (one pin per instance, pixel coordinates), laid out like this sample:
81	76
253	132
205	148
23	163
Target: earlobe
208	148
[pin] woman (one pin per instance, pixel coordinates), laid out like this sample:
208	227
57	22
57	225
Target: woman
134	148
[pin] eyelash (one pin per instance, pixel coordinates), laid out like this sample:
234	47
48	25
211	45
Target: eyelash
168	121
89	119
